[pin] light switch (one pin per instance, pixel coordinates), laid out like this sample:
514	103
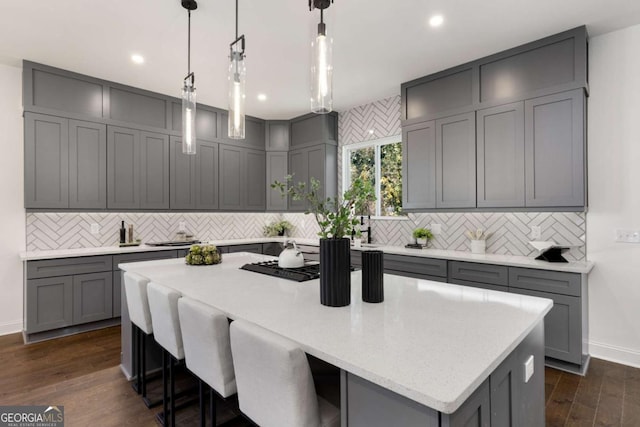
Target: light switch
95	228
536	232
436	228
528	369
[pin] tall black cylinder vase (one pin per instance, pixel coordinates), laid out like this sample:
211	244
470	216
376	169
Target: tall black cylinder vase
372	276
335	272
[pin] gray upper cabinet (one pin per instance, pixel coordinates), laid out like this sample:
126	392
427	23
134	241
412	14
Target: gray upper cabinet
206	121
555	150
313	129
419	166
299	171
182	172
255	177
207	183
231	177
276	170
500	143
123	159
46	154
87	165
253	132
277	135
456	162
319	162
154	171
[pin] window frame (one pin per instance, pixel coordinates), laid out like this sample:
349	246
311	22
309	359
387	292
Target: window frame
346	168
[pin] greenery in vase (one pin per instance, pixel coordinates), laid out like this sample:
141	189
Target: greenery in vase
203	255
422	233
336	218
279	228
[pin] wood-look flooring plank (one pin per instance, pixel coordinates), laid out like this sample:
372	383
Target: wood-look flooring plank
609	411
631	399
562	397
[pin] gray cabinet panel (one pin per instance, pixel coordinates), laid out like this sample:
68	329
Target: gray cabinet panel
299	170
277	135
182	172
478	285
562	326
316	162
231	177
123	174
63	92
49	303
154	171
138	107
253	248
68	266
117	293
474	412
500	143
545	281
312	129
482	273
92	297
456	162
356	258
206	121
142	256
46	154
272	248
441	92
276	170
419	166
255	176
555	150
425	266
253	132
207	176
87	165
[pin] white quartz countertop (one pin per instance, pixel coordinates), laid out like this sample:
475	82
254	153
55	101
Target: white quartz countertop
431	342
509	260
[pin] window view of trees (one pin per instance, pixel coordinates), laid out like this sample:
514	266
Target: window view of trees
388	159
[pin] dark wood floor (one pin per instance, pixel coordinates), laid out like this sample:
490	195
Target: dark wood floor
81	372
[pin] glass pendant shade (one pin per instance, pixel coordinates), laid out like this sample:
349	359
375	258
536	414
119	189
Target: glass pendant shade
188	118
237	79
322	73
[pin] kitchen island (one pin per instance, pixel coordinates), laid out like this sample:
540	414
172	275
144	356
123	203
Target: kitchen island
430	354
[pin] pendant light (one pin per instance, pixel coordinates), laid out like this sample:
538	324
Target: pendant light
321	63
189	93
237	77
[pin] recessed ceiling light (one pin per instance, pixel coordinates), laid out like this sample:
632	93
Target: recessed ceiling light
137	59
436	20
262	97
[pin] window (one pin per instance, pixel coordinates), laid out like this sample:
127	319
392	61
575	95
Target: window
380	163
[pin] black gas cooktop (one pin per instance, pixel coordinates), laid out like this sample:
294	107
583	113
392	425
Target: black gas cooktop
301	274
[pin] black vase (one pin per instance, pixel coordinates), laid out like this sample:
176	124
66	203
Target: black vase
372	276
335	272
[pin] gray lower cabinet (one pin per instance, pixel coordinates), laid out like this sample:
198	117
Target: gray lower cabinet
500	161
253	248
276	170
49	303
461	272
418	267
319	162
555	150
92	297
272	248
419	166
456	161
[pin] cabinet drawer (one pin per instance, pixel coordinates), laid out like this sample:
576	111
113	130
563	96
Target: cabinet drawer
256	249
479	285
417	276
142	256
545	281
410	264
481	273
68	266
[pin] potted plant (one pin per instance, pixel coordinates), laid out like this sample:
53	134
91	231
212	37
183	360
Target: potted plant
422	236
278	228
336	218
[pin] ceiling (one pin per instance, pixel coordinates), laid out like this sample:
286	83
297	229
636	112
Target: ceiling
378	44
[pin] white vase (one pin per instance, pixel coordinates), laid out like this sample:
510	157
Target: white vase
422	242
478	246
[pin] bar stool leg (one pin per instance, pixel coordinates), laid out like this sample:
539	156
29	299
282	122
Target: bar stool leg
212	407
135	342
173	391
164	388
201	402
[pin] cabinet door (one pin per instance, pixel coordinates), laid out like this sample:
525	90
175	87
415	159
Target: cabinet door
154	171
49	303
123	174
182	176
231	177
87	165
277	135
299	169
207	176
419	166
456	162
92	297
276	170
255	175
562	326
316	160
555	150
500	142
46	164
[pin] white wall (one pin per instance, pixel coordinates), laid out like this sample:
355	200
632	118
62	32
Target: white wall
12	215
614	195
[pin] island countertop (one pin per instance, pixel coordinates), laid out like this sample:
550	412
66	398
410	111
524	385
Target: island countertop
431	342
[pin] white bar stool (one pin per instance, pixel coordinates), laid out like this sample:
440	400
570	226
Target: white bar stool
275	386
207	350
135	287
163	305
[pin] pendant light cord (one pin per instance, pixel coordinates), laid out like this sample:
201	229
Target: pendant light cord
236	19
189	45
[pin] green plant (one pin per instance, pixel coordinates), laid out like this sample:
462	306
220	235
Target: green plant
278	228
336	218
203	255
422	233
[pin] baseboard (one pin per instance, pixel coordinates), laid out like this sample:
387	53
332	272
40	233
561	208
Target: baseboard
10	328
612	353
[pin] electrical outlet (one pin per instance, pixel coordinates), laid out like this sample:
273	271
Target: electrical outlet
436	228
182	226
95	228
627	236
528	369
536	232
